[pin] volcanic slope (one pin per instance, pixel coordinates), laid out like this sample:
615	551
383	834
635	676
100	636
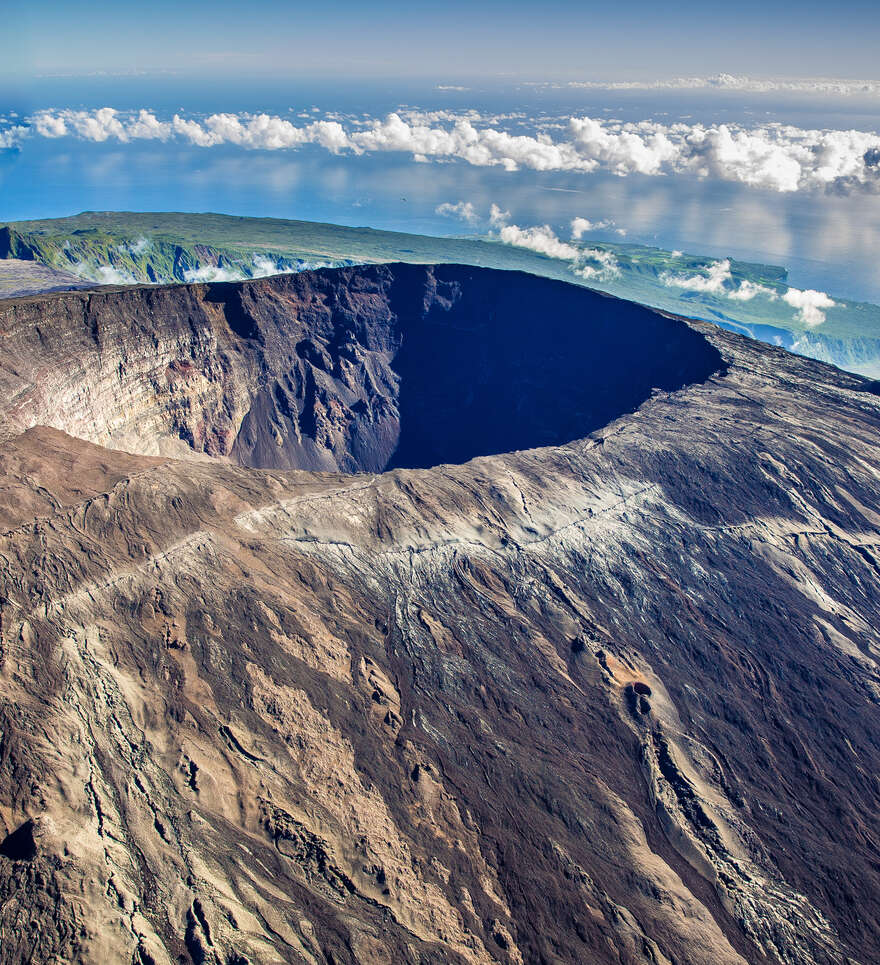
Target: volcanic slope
614	699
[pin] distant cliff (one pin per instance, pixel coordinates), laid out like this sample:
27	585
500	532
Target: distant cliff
102	258
108	248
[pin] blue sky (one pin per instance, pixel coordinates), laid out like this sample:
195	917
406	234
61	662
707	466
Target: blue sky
457	38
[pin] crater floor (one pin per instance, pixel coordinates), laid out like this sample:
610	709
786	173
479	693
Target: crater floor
611	700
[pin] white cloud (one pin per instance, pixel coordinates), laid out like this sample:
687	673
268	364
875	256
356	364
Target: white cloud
193	132
591	263
102	274
49	125
717	279
147	126
580	226
755	85
599	265
540	238
210	273
622	149
774	156
98	125
713	282
329	134
12	136
140	245
810	305
749	289
265	266
497	216
463	210
107	275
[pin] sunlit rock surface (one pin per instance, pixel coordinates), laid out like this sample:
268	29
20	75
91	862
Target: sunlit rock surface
614	699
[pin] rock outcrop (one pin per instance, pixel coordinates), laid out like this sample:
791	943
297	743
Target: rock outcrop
614	699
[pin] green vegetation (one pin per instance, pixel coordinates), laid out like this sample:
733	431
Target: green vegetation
128	247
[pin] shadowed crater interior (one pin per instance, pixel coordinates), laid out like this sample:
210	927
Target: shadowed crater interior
353	369
505	361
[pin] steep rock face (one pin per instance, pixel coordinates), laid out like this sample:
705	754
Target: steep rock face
341	369
614	700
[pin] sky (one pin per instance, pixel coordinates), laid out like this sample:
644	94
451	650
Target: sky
449	40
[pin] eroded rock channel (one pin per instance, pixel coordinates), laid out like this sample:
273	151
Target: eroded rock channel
354	369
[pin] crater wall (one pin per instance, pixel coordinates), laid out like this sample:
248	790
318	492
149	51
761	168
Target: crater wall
353	369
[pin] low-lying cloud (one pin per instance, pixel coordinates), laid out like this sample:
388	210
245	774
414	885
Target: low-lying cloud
102	274
594	264
810	305
262	266
540	238
580	227
713	281
777	157
139	246
211	273
717	279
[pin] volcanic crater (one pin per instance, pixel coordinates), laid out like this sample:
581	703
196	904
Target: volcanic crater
359	369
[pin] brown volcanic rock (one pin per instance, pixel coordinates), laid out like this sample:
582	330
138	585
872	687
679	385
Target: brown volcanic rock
19	277
611	700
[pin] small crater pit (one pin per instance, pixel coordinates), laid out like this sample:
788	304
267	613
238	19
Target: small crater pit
20	844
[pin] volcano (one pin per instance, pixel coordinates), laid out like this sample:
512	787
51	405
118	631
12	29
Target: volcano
431	614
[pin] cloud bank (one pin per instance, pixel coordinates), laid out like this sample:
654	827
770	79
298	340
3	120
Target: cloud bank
595	264
777	157
734	82
600	265
262	267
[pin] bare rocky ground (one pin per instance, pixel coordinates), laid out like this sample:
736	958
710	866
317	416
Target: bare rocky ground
19	277
612	699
